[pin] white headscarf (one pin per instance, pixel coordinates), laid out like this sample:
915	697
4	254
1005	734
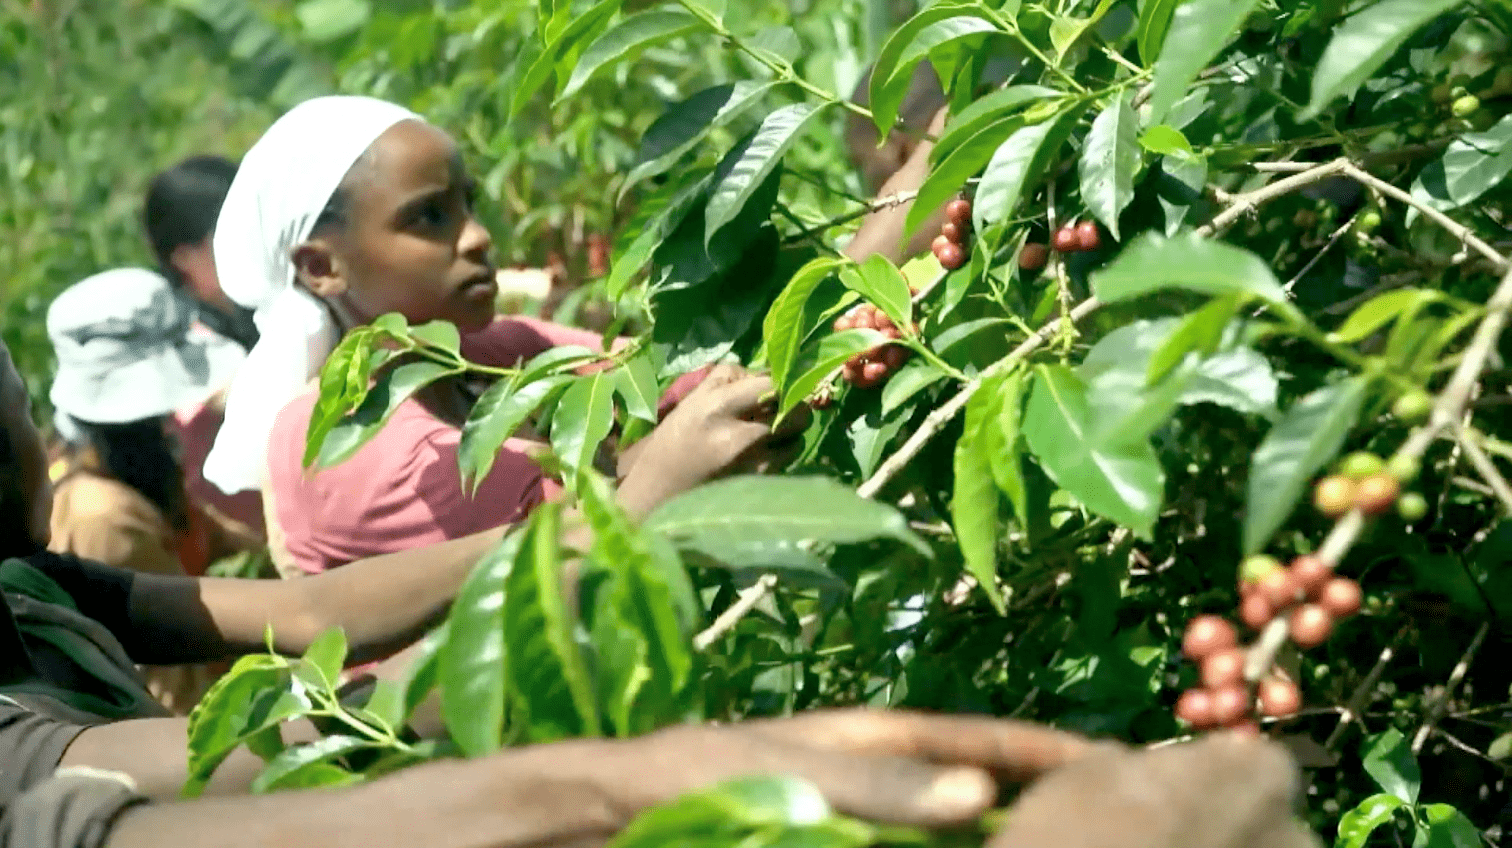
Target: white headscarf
283	184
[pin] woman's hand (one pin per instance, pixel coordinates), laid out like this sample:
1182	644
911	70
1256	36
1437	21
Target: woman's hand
722	427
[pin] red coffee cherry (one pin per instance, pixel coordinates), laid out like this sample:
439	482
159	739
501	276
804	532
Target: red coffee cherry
954	232
1278	588
1206	635
850	372
894	356
1341	597
1033	256
1279	698
1088	237
1230	704
1375	494
958	211
1255	611
1195	707
1066	240
1310	626
843	323
1310	574
1223	668
873	372
951	255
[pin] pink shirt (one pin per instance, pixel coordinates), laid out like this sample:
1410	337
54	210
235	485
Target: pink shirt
195	427
402	489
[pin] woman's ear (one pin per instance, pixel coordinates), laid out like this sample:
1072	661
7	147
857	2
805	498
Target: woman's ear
319	269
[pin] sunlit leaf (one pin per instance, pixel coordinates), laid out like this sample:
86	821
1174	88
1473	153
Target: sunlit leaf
1363	42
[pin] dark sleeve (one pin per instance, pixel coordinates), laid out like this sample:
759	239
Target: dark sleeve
101	592
74	809
30	747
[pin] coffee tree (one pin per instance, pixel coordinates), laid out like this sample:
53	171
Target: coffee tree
1224	287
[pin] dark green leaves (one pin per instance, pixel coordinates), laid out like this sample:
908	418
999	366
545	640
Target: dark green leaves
747	166
1356	825
1306	438
631	34
1154	20
498	413
1363	42
1198	31
775	522
974	504
684	124
472	663
1471	165
879	282
1109	161
783	329
1389	760
1012	167
1116	478
1186	261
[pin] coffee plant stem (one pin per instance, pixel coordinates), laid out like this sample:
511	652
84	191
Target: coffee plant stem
1012	29
1447	411
748	598
1441	703
1455	228
782	70
1485	467
1361	697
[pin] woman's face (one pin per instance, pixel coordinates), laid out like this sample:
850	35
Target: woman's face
409	242
28	456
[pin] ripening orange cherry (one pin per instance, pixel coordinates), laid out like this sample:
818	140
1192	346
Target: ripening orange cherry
1375	494
1206	635
1279	698
1255	611
1310	574
1341	597
1334	495
1310	626
1223	668
1230	704
1195	707
1066	240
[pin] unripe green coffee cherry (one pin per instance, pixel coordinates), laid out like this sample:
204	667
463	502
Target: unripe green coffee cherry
1361	464
1368	221
1412	506
1403	468
1412	407
1465	106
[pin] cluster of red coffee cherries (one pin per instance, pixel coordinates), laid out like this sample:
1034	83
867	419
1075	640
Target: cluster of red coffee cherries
950	245
1311	598
1075	237
870	368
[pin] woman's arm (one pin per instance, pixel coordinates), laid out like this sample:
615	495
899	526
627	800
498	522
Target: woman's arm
882	231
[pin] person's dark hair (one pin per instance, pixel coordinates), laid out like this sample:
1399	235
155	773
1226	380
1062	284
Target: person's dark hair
15	534
183	203
141	454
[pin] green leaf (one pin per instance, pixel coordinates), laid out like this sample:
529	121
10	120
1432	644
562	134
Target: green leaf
687	122
327	654
749	163
1198	31
783	329
344	379
284	768
1179	185
393	387
557	360
752	812
254	695
1164	140
754	521
1199	332
549	682
986	111
1380	310
1187	261
888	83
974	503
329	20
642	620
1305	439
879	282
1150	33
1005	446
438	334
472	661
1109	161
931	38
1356	825
815	362
631	34
1363	42
955	168
913	378
1389	761
498	413
543	61
635	381
1010	169
582	419
1471	165
1442	826
1119	481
